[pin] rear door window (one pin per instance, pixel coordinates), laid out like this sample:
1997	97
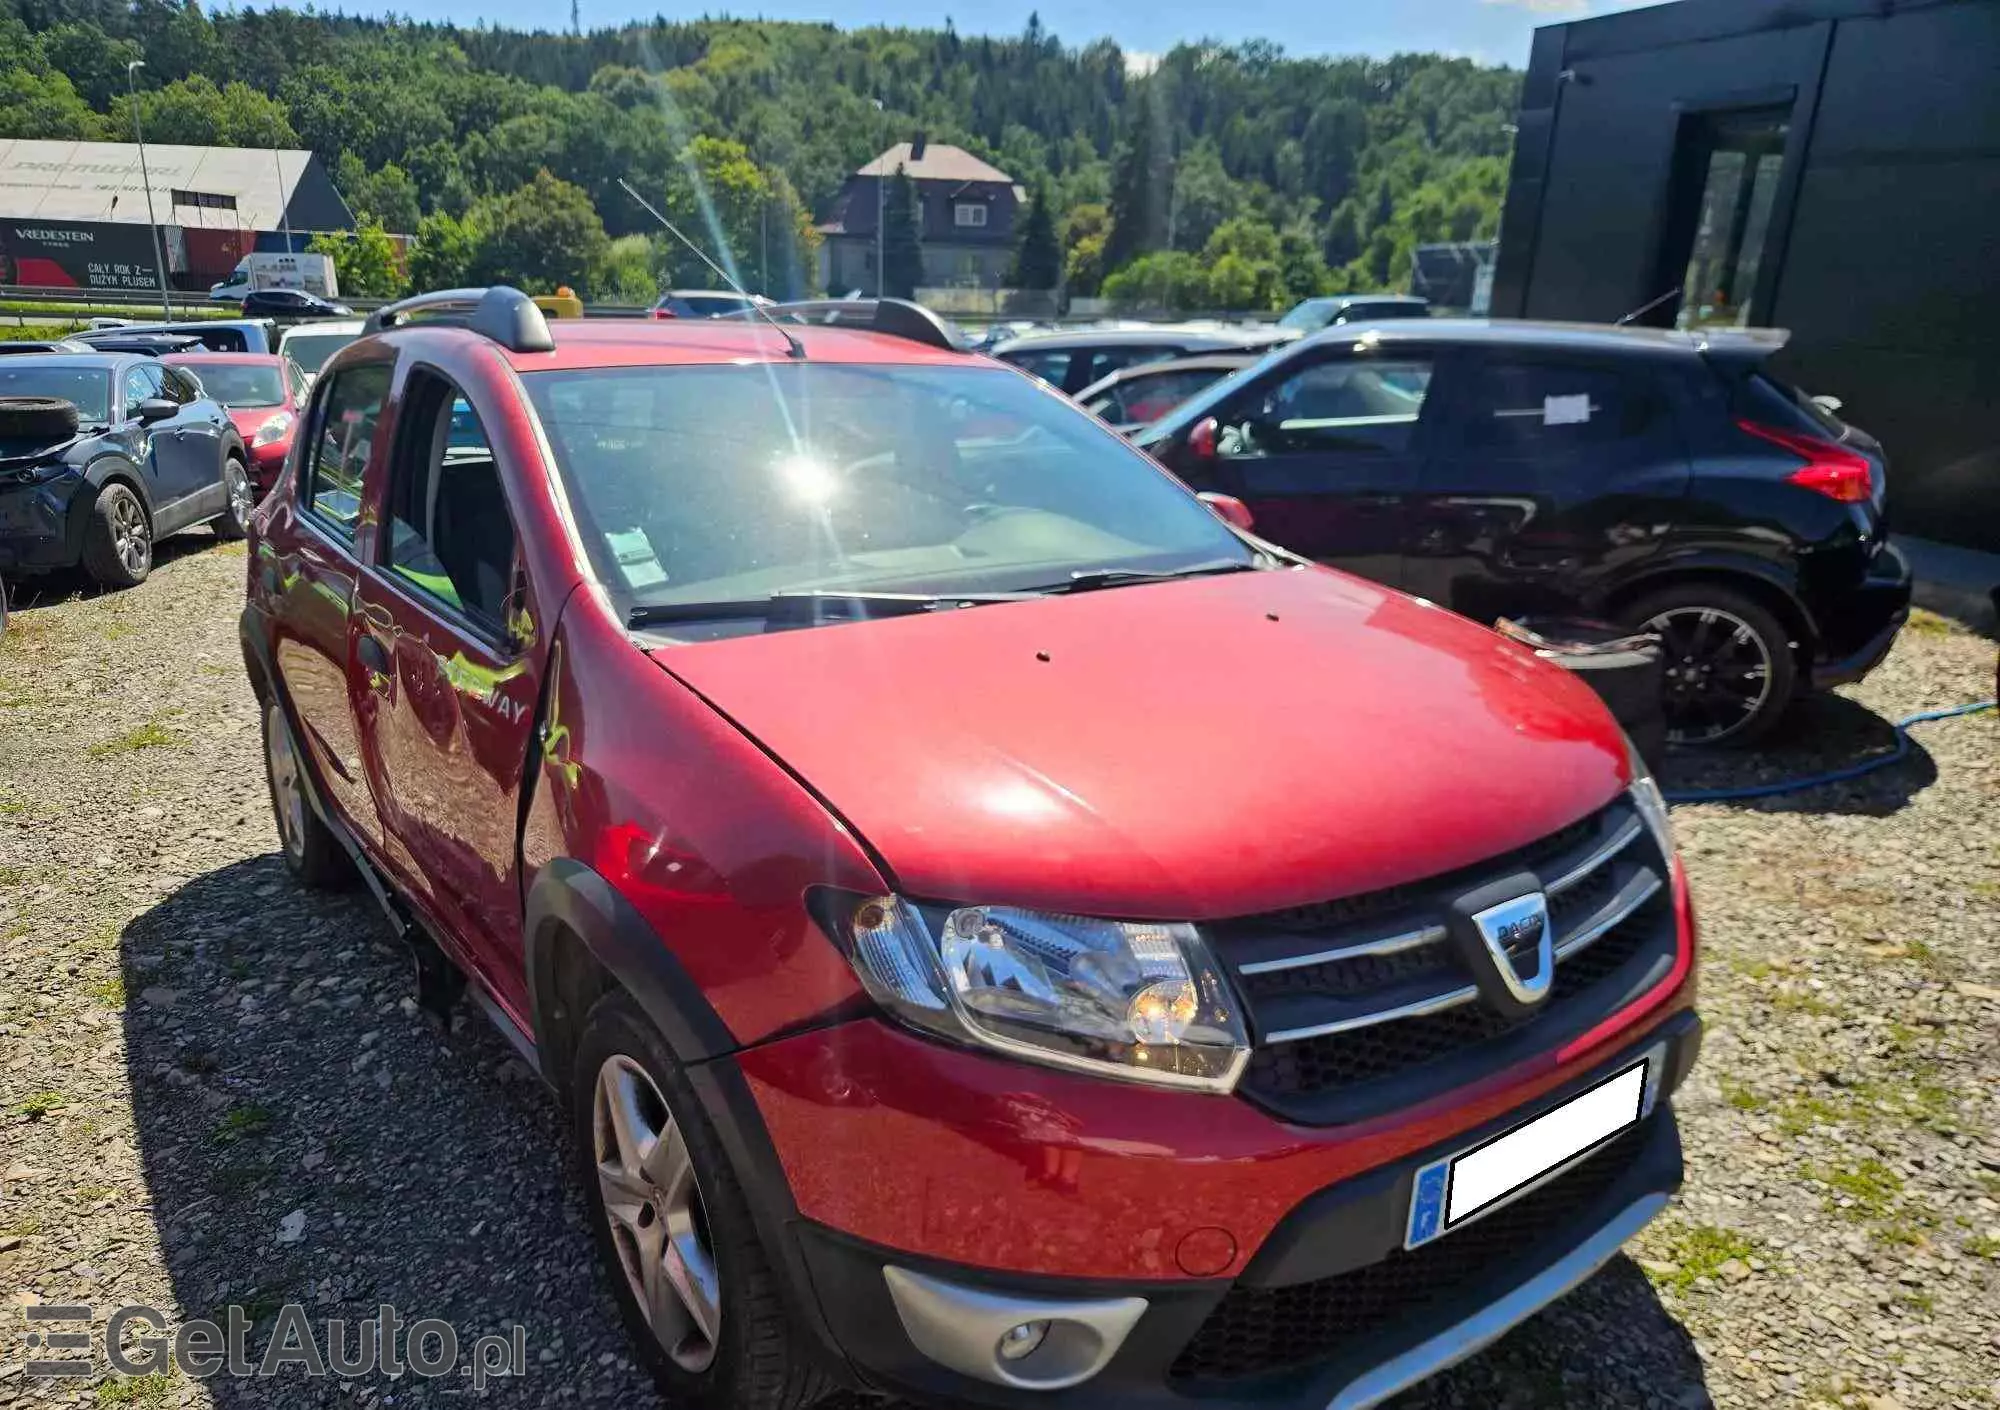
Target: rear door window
350	412
1551	406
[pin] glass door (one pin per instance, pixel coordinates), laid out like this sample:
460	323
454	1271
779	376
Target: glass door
1740	157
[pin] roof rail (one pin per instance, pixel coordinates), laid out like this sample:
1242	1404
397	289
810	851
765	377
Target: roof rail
506	316
898	318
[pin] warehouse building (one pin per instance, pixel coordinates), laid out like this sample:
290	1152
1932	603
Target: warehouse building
1827	166
74	214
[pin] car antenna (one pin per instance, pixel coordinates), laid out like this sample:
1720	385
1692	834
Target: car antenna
798	349
1643	309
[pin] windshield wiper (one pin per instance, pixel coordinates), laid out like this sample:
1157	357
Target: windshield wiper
812	605
1090	579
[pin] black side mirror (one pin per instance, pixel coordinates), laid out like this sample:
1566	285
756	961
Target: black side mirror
156	409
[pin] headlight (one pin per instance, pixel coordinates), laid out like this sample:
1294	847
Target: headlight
271	430
1652	806
1138	1000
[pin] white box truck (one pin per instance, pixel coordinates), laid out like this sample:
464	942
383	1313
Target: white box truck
278	270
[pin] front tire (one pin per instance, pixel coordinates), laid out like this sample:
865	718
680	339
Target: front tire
672	1228
118	541
312	853
1728	667
239	501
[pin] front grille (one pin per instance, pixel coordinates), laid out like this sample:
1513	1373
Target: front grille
1256	1330
1366	1003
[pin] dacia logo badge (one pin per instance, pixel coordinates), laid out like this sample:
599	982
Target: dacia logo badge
1516	931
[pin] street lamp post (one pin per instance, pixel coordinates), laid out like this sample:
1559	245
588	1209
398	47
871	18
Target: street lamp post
159	256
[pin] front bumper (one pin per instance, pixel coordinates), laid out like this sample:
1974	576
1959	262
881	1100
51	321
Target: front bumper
267	463
1858	628
38	534
1330	1312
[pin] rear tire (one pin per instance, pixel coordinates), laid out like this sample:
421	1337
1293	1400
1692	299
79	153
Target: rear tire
1728	666
740	1352
238	500
118	541
312	853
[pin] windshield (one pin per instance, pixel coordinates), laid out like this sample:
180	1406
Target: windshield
699	484
89	388
1309	316
241	384
311	350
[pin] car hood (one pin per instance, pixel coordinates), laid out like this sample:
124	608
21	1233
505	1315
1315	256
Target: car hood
1198	748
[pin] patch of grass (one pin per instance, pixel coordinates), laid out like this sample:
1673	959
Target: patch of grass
118	631
1802	1114
1917	1300
240	1177
40	1104
1739	1096
1751	969
11	807
1870	1187
145	1391
1925	623
1983	1246
1802	1001
24	1227
10	877
240	1123
16	929
151	735
110	992
1698	1251
93	1194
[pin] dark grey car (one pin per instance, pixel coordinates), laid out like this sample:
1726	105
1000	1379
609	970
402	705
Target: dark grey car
101	455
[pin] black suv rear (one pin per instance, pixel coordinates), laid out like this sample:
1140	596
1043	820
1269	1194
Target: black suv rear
1654	478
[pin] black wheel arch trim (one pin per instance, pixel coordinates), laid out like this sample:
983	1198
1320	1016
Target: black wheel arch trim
1756	573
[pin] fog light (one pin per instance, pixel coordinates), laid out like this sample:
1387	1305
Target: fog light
1022	1341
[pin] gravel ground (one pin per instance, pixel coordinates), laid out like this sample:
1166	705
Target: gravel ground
214	1088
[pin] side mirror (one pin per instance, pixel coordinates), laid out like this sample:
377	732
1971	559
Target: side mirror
1229	508
156	409
1830	405
1201	439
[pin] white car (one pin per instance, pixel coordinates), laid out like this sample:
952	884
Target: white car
311	344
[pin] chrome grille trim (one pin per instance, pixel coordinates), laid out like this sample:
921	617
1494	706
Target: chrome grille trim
1389	945
1438	1003
1633	892
1643	887
1618	842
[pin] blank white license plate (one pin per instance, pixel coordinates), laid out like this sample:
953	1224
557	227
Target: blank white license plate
1458	1187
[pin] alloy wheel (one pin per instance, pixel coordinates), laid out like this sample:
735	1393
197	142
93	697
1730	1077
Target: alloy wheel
287	791
654	1209
240	502
1718	673
129	534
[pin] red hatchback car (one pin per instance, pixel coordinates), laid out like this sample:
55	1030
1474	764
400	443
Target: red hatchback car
262	394
1002	935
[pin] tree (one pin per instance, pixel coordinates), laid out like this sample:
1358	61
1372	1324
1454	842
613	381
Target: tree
45	105
1139	182
1302	273
443	254
195	113
538	237
1038	260
1083	232
1342	242
902	243
389	196
364	259
1163	280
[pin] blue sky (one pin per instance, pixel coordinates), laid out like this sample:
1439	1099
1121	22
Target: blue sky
1492	31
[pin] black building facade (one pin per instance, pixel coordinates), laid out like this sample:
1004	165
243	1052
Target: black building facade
1827	166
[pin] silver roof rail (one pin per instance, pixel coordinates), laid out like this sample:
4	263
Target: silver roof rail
506	316
899	318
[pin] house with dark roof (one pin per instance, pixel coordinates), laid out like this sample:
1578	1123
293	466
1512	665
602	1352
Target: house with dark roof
966	211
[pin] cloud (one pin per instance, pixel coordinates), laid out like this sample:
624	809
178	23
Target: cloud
1545	7
1138	63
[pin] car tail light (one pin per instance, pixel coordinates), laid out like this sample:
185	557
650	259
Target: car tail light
1830	469
664	313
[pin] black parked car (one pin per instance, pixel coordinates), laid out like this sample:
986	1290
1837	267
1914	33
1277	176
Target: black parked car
102	454
288	304
1654	478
